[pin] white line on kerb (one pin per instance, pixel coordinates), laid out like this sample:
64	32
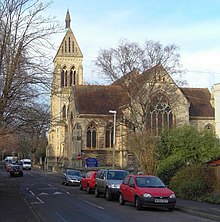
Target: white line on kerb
94	205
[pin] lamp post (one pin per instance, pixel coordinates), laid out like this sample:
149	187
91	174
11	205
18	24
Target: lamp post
114	129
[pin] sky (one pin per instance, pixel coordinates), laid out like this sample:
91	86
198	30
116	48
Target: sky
193	25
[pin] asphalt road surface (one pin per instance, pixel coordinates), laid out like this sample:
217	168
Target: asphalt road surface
40	196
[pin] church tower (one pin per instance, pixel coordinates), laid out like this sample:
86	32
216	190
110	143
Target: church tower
68	71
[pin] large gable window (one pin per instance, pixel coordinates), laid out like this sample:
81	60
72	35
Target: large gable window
109	136
159	114
91	136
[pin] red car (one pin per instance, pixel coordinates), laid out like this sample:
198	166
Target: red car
88	182
146	190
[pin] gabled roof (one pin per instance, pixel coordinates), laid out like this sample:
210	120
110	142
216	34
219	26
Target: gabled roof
77	51
99	99
96	99
199	99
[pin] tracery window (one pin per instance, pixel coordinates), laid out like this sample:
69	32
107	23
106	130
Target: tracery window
159	114
109	136
91	136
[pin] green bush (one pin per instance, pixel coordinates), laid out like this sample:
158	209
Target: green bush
168	167
193	181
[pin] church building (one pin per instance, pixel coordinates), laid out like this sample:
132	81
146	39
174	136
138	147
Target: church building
92	121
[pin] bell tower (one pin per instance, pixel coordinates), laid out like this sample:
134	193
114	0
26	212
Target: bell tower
68	71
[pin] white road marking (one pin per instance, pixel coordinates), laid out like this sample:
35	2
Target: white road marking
94	205
41	201
30	191
57	192
61	217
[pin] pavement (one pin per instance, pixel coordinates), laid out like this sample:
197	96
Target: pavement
199	208
14	208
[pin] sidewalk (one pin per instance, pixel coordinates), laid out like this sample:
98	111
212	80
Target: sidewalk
198	208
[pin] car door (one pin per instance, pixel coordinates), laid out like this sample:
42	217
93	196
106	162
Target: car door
130	192
103	181
124	187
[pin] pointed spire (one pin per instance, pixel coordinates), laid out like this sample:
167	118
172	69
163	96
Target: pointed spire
68	20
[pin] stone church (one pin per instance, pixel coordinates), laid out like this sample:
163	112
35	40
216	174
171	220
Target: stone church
92	121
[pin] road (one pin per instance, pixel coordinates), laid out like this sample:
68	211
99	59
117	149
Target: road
50	201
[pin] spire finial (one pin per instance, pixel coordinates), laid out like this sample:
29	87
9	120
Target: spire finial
68	20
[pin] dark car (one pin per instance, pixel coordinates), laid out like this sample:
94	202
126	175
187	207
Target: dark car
146	190
108	183
88	181
16	170
72	177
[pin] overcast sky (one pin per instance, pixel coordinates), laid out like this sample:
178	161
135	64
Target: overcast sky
193	25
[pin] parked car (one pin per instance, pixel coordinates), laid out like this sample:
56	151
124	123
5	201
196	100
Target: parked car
145	190
108	183
16	170
88	181
8	166
72	177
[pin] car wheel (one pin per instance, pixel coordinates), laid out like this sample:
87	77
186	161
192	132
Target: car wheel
66	183
97	194
121	199
88	189
80	186
108	194
171	208
138	204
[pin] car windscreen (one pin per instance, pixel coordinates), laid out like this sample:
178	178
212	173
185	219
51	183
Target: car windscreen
74	173
149	182
116	175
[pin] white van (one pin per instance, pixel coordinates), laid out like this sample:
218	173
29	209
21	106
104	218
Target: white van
26	164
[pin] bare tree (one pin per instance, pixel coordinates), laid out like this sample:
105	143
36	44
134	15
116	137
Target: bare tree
25	64
115	63
143	145
144	73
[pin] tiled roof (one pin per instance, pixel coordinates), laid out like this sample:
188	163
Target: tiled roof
99	99
199	99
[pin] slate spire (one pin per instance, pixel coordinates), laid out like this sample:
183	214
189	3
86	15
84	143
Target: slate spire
68	20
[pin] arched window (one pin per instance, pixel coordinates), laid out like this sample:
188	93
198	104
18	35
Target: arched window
71	120
72	76
72	47
64	112
69	45
91	136
65	46
159	114
63	77
109	136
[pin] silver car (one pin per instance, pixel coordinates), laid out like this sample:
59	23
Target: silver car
72	177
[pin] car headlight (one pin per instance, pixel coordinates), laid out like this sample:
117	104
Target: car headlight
114	185
147	195
172	196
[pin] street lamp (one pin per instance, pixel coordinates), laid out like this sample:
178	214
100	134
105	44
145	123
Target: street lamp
114	129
